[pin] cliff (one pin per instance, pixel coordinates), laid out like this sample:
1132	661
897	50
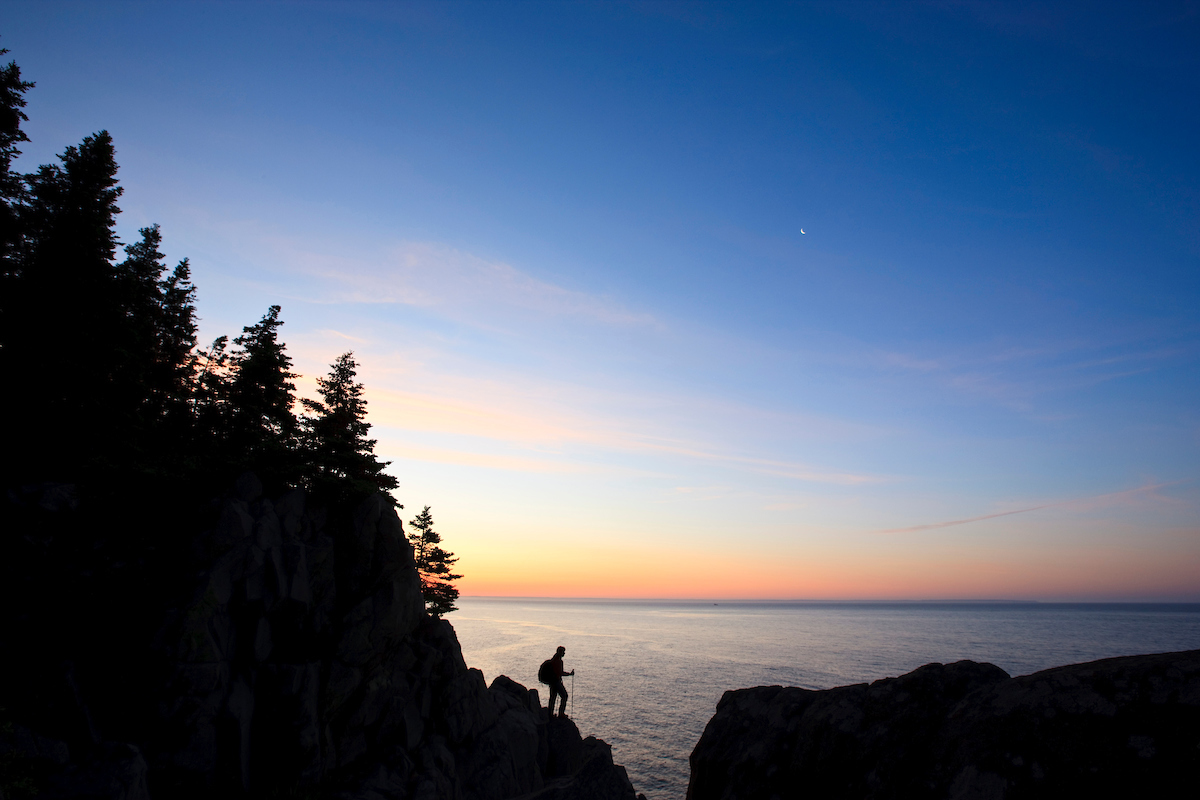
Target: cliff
297	662
1120	727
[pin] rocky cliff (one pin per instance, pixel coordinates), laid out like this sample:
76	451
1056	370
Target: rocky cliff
1121	727
299	662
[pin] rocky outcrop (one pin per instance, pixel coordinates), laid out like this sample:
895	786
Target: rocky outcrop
1118	727
34	765
301	663
581	769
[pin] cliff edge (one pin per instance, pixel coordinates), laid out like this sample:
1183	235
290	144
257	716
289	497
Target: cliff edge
296	662
1120	727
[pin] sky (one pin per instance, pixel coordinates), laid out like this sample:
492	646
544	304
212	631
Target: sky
700	300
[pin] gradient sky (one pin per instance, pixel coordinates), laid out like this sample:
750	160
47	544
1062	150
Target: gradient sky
816	300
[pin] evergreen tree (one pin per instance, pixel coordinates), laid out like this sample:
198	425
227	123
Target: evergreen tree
140	298
138	280
63	320
210	399
177	358
433	564
177	332
337	449
261	398
12	187
13	197
157	340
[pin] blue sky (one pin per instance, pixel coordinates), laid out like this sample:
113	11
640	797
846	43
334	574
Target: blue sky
564	240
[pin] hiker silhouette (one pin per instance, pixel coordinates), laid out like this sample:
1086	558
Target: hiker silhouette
551	673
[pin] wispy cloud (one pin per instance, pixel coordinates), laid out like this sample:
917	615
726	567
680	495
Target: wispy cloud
706	491
1015	376
467	458
340	335
785	506
484	292
527	422
438	277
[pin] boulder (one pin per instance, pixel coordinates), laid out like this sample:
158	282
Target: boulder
1120	726
595	778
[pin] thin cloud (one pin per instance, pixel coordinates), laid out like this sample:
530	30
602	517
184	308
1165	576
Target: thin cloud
340	335
782	469
1017	377
464	458
459	284
529	426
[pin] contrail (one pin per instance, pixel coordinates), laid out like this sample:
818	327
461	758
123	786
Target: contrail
932	525
1109	496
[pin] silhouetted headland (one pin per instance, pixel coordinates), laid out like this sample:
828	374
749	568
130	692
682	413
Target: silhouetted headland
297	660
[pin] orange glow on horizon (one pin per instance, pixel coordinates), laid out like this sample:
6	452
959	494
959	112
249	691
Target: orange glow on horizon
1111	573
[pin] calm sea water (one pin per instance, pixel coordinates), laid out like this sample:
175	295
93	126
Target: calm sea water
649	674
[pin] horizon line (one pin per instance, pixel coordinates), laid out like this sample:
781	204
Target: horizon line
830	601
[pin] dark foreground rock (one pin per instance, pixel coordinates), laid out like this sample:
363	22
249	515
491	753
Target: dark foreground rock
298	662
1120	727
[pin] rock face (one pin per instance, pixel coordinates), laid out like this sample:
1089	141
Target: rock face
304	665
1118	727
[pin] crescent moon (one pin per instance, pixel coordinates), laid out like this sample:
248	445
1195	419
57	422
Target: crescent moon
802	230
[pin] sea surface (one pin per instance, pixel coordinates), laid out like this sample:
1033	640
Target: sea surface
650	673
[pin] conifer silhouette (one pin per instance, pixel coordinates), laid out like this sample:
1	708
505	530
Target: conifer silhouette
63	320
335	435
261	400
434	564
12	187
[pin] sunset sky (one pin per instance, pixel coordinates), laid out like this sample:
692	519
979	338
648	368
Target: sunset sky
814	300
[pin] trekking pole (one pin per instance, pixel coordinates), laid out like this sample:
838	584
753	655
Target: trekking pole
572	694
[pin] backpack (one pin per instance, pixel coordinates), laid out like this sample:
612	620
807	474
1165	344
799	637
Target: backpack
546	672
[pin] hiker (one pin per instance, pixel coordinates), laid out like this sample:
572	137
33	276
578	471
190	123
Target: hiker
551	673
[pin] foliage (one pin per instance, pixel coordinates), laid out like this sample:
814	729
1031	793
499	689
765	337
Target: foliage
63	313
102	358
158	334
12	187
117	426
261	396
109	383
335	435
434	564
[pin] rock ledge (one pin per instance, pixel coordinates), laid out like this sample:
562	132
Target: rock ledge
1117	727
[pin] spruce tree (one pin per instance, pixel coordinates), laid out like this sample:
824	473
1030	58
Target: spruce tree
338	453
176	339
14	406
210	400
12	186
261	399
177	331
433	564
156	356
63	320
139	296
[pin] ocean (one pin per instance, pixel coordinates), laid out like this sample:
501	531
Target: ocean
650	673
